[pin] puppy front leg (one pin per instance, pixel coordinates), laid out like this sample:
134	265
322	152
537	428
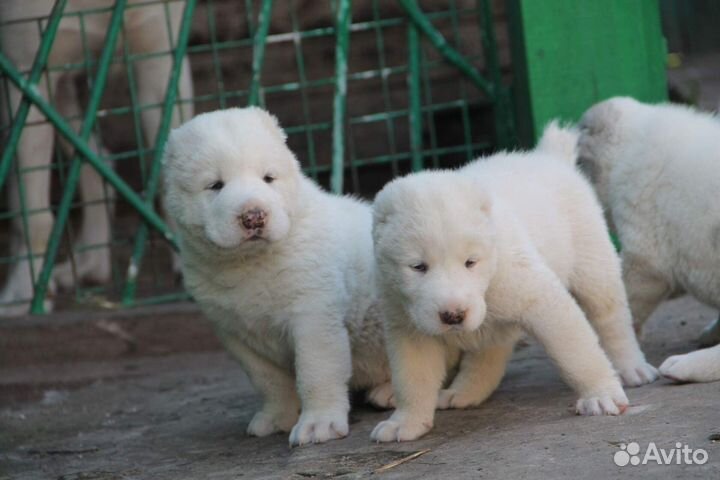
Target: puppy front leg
281	404
559	324
418	370
479	376
323	367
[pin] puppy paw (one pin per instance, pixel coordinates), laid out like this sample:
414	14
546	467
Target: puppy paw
400	428
264	423
638	373
91	266
319	427
450	398
698	366
611	401
382	396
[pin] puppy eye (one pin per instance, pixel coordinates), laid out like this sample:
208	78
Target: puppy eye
470	263
420	267
216	186
268	178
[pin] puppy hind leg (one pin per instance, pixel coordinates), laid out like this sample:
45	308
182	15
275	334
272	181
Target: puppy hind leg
646	288
598	288
91	251
281	405
29	200
152	76
479	376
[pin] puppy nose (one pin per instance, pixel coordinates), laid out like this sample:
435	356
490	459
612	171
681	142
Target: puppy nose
253	219
452	318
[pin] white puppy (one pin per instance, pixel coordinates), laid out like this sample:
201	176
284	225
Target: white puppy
657	171
468	260
282	269
149	30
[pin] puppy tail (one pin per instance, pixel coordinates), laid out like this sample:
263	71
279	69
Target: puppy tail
559	140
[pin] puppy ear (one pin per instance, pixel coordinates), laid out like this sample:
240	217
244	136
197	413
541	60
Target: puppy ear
382	209
270	122
484	202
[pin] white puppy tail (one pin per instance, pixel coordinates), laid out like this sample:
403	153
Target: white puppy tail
560	141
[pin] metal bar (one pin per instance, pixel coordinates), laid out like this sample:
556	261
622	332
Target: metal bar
73	176
341	52
66	131
503	111
451	55
259	42
415	108
35	73
151	185
297	43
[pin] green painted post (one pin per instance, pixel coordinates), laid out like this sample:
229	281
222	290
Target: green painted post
259	42
502	107
568	55
71	181
153	180
24	108
415	110
342	44
62	127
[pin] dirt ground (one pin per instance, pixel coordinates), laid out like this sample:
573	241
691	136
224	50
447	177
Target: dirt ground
148	394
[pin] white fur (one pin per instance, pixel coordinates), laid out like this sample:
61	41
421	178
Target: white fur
657	171
146	31
294	301
534	229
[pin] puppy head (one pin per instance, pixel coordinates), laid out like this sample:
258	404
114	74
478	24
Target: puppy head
230	180
435	249
603	130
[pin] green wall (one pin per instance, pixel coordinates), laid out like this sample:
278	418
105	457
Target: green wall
569	54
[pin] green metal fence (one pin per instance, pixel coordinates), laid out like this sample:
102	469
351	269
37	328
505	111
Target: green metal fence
366	90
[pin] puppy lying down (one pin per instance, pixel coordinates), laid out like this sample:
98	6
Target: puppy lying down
282	269
657	171
468	260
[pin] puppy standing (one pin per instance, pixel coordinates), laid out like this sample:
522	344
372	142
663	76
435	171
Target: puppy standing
147	31
282	269
467	260
657	171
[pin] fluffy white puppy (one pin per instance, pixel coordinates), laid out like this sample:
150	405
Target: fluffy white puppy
283	270
656	168
468	260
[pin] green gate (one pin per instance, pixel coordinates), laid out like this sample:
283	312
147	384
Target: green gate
428	105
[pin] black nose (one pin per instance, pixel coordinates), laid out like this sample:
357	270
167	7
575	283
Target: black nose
452	318
253	219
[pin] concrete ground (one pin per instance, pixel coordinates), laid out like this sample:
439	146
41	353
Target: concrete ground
118	398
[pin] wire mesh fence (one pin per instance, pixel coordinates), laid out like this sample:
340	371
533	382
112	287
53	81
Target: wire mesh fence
366	91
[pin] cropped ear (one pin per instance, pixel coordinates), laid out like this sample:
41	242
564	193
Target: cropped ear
482	200
382	209
485	204
270	122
